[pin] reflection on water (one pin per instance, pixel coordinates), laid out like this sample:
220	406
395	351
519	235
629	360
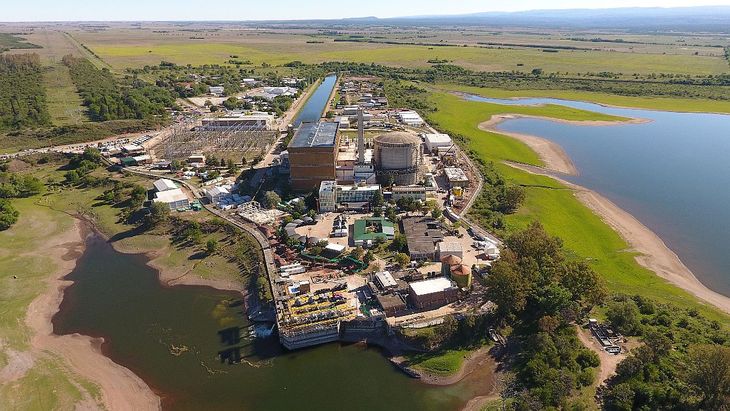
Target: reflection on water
193	346
672	173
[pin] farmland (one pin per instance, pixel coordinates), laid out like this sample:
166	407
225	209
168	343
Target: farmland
482	51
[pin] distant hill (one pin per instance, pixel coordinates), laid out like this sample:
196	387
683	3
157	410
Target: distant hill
707	18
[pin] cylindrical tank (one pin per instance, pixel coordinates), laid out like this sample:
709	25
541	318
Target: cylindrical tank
461	274
397	151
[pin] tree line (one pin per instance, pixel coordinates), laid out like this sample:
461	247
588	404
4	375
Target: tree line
22	95
106	100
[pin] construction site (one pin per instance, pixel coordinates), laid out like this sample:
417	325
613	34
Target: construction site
232	140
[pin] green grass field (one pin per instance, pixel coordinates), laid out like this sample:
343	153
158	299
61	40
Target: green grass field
127	48
651	103
555	206
442	364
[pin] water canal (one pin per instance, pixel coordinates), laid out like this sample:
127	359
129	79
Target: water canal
171	337
317	103
672	173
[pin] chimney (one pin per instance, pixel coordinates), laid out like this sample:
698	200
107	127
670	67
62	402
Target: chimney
360	137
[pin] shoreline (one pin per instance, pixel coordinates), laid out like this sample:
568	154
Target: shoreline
474	362
654	254
465	95
119	387
551	154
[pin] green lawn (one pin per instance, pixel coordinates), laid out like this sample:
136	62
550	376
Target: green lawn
555	206
443	363
652	103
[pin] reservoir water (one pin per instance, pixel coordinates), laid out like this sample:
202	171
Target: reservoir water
672	173
315	106
171	338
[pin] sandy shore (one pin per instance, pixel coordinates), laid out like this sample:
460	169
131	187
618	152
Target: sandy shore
120	388
654	253
551	154
172	277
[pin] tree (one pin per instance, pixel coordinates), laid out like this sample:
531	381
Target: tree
436	213
708	371
8	214
402	259
159	213
138	196
624	315
378	199
400	242
271	199
231	166
222	162
512	199
211	246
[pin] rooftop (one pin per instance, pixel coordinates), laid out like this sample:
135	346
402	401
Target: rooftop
438	138
385	279
455	174
372	228
170	196
318	134
164	184
433	285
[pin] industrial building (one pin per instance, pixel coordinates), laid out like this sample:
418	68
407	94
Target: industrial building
422	234
414	192
164	184
367	230
216	194
333	196
447	248
175	199
410	118
397	158
432	293
437	141
313	154
456	177
260	122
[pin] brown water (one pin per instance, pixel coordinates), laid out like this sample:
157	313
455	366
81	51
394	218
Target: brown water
171	338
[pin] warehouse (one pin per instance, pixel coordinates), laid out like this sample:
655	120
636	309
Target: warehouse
437	141
432	293
422	233
313	154
164	184
410	118
175	199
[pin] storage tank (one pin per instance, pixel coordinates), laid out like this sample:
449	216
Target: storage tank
461	274
397	155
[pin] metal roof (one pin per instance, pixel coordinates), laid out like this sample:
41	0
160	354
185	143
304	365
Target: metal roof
164	184
433	285
318	134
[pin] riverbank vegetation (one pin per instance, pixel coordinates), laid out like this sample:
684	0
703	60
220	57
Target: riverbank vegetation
22	95
683	362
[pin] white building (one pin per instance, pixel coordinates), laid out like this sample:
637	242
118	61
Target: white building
175	199
164	184
437	141
216	90
333	196
327	196
446	248
410	118
216	194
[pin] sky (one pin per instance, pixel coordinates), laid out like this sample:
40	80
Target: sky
147	10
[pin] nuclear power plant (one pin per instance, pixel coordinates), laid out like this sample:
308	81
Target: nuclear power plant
398	158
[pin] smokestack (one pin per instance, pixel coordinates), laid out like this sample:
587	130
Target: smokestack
360	136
